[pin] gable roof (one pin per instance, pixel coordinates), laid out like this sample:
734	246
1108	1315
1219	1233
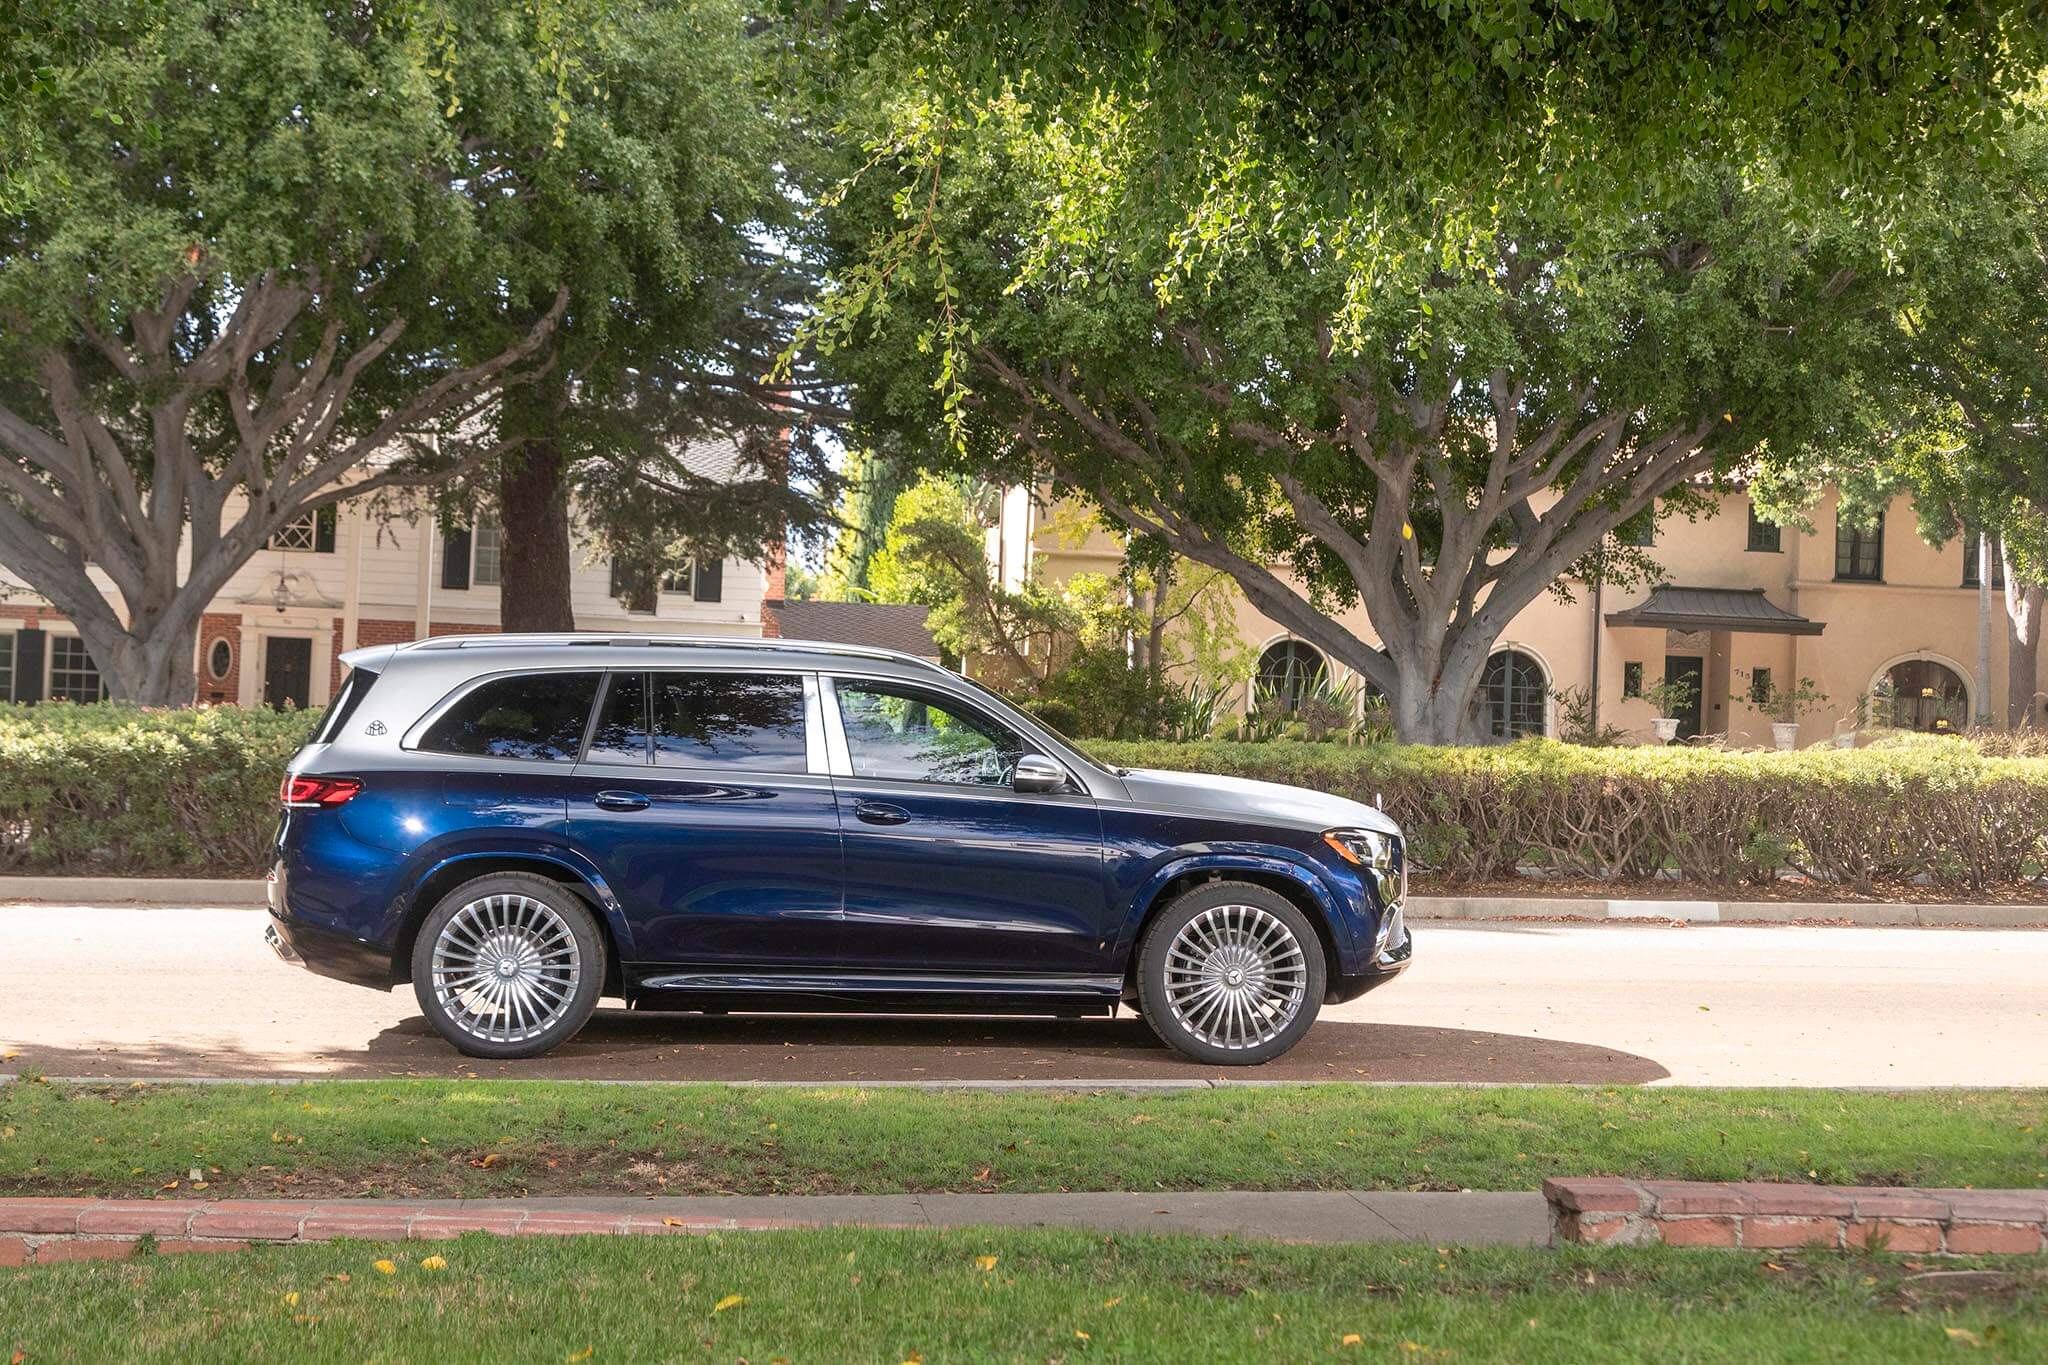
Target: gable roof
875	625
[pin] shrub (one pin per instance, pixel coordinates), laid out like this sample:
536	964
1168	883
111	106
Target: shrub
1943	813
110	789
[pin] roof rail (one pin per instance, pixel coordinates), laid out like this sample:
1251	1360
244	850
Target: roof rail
730	642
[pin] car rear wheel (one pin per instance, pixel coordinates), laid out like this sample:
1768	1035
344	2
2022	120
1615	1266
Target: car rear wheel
508	965
1231	974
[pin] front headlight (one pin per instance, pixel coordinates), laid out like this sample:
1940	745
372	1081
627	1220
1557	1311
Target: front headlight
1380	855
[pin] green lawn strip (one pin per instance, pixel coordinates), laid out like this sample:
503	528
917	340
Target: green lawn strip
492	1137
892	1296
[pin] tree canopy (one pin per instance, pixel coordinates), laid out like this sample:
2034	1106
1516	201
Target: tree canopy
1419	306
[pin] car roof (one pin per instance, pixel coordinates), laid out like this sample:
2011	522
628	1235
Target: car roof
608	650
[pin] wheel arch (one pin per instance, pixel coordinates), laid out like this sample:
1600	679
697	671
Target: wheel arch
1300	886
451	872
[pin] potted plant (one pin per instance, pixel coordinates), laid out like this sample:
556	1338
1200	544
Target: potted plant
1669	696
1784	705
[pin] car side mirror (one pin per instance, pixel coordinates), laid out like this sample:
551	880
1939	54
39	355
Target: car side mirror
1037	773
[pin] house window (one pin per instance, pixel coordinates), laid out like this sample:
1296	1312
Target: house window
73	675
1759	686
633	586
1631	680
1971	539
1513	696
485	559
313	532
1764	536
1859	550
7	667
702	579
220	660
1288	673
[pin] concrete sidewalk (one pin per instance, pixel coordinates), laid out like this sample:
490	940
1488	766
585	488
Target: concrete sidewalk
36	1229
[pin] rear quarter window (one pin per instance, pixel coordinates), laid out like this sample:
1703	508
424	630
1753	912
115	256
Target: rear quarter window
529	716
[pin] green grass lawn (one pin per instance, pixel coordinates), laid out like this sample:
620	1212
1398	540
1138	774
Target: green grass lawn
483	1137
938	1296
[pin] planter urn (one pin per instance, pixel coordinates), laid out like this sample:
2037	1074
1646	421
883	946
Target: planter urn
1665	728
1785	733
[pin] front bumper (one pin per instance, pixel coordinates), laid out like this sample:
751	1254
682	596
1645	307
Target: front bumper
1392	953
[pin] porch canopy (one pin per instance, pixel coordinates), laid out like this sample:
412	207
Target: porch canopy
1671	608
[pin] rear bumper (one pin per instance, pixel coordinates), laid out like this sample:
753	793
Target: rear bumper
328	954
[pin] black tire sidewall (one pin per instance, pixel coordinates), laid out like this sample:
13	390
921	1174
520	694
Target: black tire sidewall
1152	971
590	948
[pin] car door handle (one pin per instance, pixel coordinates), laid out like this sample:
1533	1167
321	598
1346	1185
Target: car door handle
880	813
617	800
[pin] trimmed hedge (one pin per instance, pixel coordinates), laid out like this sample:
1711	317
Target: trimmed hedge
111	789
1938	812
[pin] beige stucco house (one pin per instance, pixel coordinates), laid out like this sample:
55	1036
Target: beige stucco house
1883	623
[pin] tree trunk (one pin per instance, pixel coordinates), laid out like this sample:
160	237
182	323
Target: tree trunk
154	668
2023	602
533	553
1442	713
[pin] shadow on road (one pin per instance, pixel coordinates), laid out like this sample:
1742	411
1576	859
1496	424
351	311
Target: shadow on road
622	1045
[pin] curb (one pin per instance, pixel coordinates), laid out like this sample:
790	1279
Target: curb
208	892
1761	1217
229	892
1855	913
35	1231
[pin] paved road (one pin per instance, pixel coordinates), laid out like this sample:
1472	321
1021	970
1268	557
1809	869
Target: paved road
177	992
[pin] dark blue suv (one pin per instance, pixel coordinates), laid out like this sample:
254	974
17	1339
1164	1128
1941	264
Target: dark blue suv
521	824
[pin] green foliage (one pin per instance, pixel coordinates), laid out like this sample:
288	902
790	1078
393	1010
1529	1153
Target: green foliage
1856	819
1426	350
117	789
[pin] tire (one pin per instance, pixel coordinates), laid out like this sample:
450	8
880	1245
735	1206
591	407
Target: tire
1206	935
531	954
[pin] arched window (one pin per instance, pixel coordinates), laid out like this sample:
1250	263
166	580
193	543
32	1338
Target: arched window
1921	694
1513	696
1286	672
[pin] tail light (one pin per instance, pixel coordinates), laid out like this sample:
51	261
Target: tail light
305	790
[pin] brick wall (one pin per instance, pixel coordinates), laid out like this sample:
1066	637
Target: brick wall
1771	1217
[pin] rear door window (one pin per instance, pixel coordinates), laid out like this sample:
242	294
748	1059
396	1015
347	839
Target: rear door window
530	716
749	721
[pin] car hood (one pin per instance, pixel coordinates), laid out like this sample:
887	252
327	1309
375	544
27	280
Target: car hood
1250	800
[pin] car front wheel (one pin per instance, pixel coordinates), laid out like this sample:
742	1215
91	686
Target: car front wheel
1231	974
508	965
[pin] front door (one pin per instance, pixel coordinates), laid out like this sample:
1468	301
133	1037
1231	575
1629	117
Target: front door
948	870
1688	668
704	800
287	672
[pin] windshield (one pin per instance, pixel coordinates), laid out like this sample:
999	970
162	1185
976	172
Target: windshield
1009	706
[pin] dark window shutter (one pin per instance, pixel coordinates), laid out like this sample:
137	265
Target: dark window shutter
455	557
323	531
28	665
710	580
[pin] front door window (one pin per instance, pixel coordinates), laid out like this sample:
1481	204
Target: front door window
288	672
902	735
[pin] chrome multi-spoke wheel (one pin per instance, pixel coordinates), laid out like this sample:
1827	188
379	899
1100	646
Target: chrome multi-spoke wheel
508	966
1235	976
1231	973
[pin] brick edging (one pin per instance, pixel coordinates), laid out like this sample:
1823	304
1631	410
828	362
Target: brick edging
38	1231
1759	1216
